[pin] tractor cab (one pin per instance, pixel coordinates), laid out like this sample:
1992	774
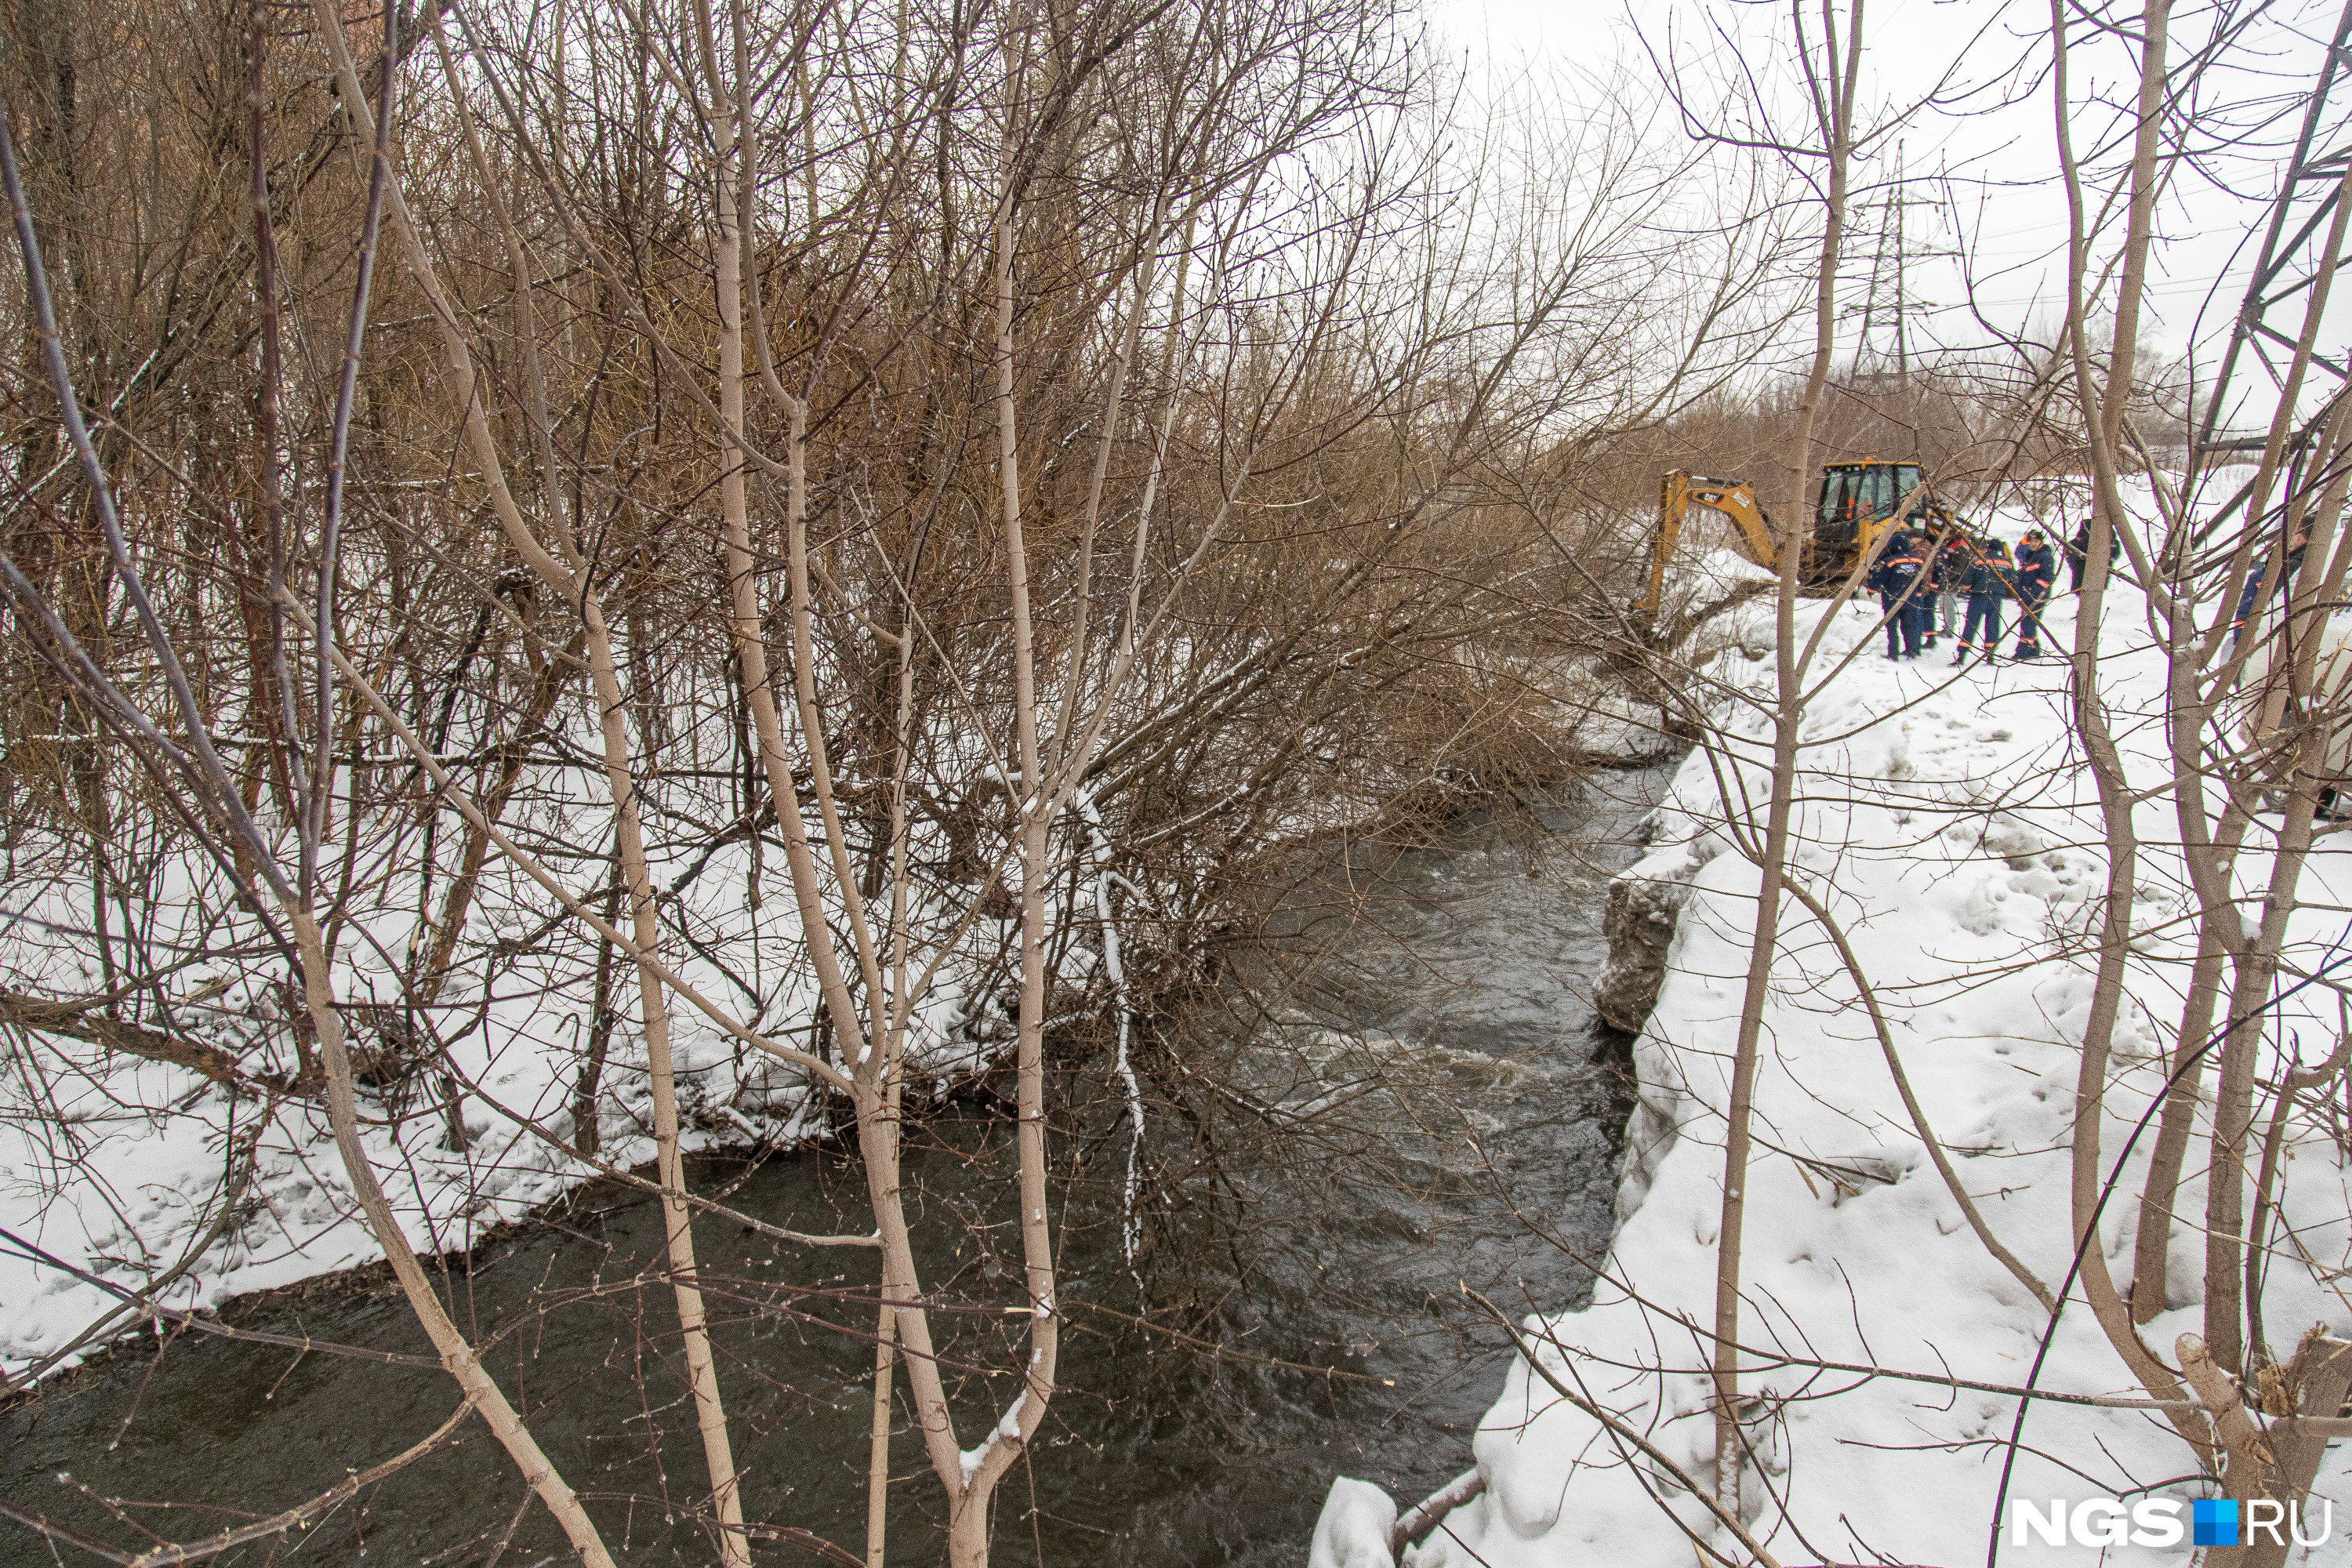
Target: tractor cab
1860	502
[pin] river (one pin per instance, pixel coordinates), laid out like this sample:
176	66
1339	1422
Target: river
1390	1096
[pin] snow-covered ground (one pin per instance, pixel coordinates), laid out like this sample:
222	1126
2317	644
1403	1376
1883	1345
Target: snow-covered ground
118	1168
1947	819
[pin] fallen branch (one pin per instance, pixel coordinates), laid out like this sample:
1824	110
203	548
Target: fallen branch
82	1021
1418	1521
143	1304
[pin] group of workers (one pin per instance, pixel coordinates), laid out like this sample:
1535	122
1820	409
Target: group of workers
1922	583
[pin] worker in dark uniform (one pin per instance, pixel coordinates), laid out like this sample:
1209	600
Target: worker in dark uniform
1989	583
1897	576
2252	593
2078	553
2037	572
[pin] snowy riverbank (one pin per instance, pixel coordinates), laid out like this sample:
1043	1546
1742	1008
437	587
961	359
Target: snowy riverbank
1946	820
121	1175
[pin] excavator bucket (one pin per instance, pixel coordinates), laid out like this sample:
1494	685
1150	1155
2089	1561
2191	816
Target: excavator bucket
1681	491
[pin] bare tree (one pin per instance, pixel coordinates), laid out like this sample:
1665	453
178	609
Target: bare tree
1027	474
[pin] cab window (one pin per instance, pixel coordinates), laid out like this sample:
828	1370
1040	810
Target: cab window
1906	481
1877	492
1838	494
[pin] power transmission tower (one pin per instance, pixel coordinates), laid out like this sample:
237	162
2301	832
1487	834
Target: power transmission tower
1882	354
2293	253
2293	257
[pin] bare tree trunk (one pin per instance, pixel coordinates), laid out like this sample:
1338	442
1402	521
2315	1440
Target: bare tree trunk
457	902
968	1527
877	1460
1835	99
2151	1249
2102	417
457	1357
570	577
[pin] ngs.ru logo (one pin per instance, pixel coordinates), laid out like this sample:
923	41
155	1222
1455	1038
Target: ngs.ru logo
2158	1522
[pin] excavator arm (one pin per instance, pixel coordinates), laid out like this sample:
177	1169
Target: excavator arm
1735	498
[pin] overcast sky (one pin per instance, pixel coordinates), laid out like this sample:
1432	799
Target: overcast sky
1999	197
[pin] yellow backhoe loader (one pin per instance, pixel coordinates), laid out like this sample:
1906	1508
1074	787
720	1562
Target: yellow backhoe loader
1859	503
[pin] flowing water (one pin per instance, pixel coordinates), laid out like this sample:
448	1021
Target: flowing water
1400	1092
